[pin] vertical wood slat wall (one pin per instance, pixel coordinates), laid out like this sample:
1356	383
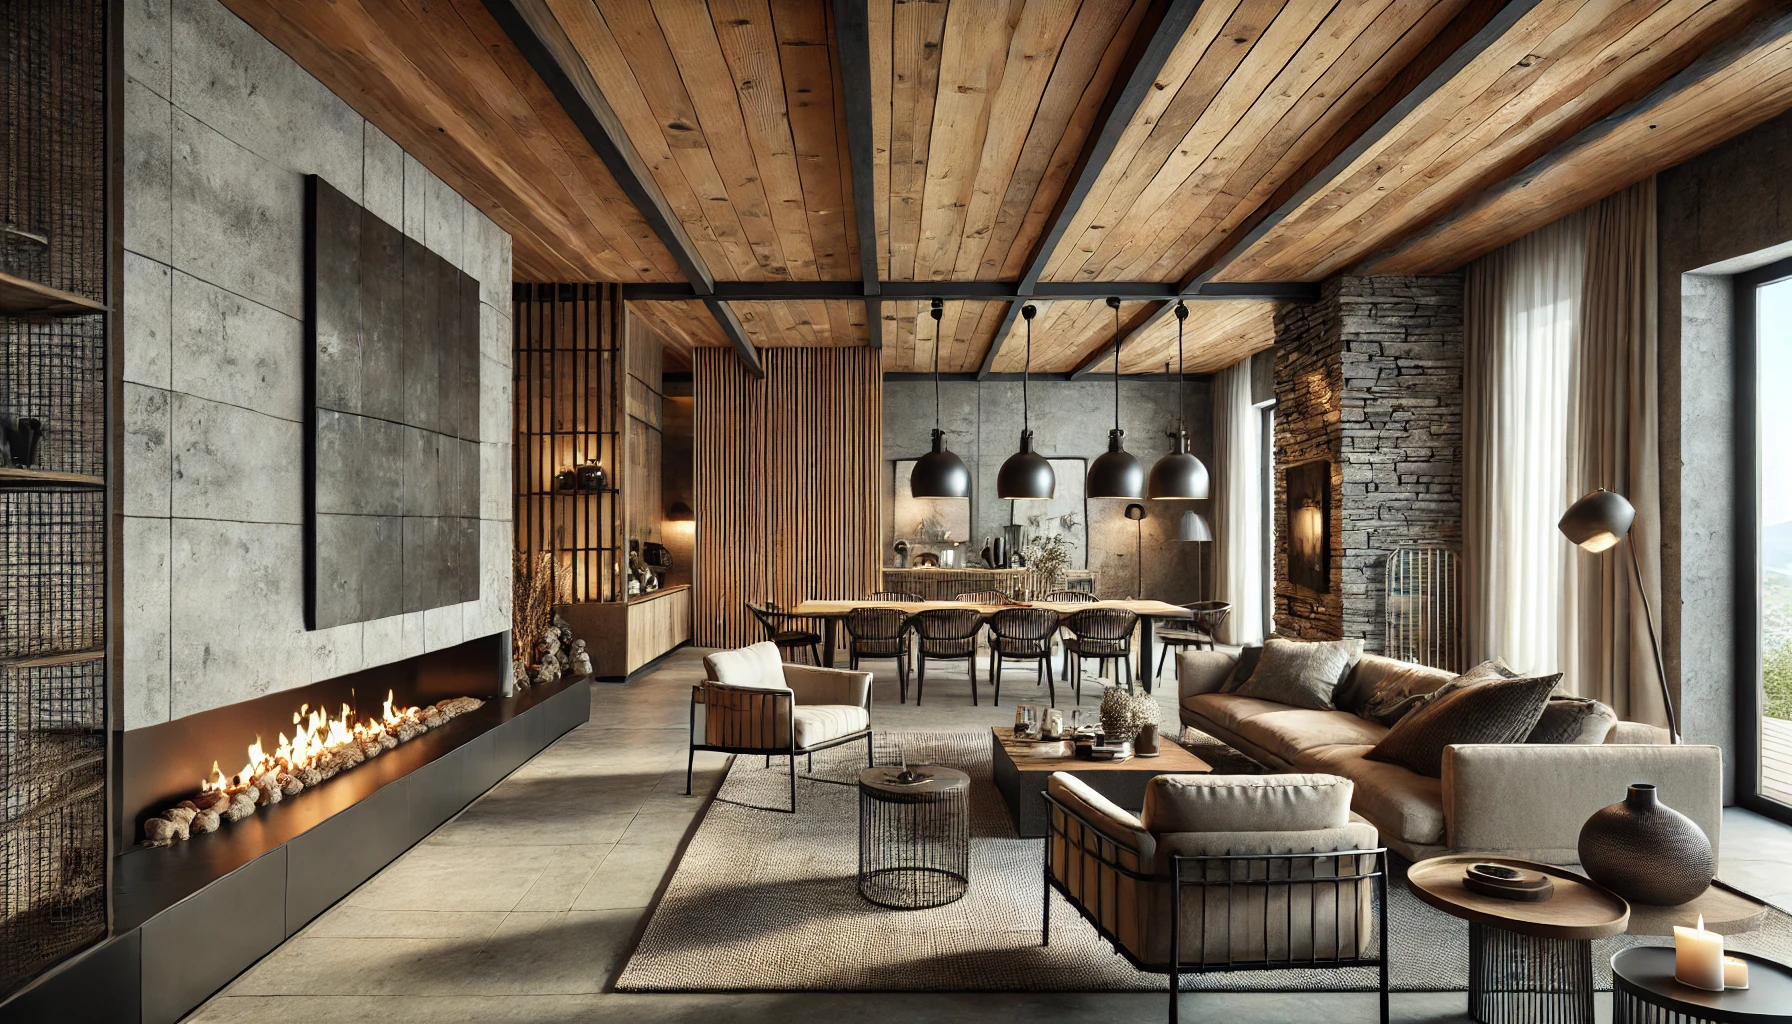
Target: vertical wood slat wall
788	481
567	399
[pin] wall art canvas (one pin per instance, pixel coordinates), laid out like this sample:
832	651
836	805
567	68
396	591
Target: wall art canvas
393	439
1309	490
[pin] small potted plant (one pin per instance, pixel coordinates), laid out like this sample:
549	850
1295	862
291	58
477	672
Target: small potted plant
1130	717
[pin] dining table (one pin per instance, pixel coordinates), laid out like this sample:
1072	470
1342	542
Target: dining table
830	613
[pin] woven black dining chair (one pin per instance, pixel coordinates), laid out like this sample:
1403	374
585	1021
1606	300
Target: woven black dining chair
1068	597
895	595
1101	633
880	633
984	597
946	634
777	624
1209	616
1023	634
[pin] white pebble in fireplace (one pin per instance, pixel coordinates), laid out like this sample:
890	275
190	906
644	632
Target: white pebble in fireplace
321	747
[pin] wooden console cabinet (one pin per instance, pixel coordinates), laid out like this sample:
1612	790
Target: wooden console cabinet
625	635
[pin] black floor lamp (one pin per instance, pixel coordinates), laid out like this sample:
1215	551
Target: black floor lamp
1596	523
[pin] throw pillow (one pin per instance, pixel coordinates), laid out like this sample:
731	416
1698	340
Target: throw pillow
1580	720
1247	663
1301	675
1402	692
1489	711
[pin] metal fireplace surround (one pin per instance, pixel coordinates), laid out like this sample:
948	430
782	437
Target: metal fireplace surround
190	917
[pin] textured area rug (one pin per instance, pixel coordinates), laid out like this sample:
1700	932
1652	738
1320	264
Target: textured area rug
768	901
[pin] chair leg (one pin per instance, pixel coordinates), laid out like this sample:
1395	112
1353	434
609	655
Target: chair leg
995	676
920	677
870	750
1126	664
1161	658
793	780
970	665
1051	683
690	763
902	678
815	653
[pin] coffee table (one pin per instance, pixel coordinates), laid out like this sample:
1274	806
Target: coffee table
1527	962
1021	776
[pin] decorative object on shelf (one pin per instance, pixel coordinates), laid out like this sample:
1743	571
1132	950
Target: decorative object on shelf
1309	490
581	659
679	513
901	549
1047	558
1026	475
1699	957
1124	714
1110	749
566	481
939	473
1115	473
1596	523
535	588
1645	851
22	439
1506	882
1177	474
592	477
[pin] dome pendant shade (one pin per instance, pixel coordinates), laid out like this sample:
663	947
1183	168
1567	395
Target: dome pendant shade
940	473
1026	475
1116	474
1598	521
1178	475
1193	527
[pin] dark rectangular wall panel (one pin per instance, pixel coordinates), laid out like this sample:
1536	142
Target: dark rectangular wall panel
394	419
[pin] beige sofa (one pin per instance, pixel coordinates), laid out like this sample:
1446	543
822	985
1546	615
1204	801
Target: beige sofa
1521	800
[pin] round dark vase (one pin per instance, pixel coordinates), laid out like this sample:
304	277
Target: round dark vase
1145	743
1646	852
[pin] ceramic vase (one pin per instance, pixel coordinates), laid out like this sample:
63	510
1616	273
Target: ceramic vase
1145	743
1646	852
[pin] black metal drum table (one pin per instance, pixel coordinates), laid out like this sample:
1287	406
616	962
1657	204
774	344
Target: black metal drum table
1528	963
914	837
1644	991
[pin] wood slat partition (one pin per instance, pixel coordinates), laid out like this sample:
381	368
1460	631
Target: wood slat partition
787	482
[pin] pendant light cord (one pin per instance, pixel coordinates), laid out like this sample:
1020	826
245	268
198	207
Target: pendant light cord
936	364
1117	340
1181	381
1026	420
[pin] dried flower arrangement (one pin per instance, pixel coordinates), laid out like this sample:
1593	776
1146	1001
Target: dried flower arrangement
1124	714
1047	556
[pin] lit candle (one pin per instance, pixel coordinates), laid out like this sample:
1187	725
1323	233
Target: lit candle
1735	972
1699	957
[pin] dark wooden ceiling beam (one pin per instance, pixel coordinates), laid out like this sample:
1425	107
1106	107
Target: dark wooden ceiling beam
1468	35
967	291
852	41
544	44
1162	29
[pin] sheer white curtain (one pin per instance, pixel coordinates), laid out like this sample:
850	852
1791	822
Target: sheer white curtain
1522	326
1238	504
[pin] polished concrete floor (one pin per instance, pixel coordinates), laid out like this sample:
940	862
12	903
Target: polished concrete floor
524	907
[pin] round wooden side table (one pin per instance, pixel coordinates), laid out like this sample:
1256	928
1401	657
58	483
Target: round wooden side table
1644	991
1528	962
914	838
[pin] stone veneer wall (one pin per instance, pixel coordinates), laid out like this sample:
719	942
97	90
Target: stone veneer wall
220	128
1370	377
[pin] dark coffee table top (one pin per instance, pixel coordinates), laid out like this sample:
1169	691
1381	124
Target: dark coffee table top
1650	970
1173	759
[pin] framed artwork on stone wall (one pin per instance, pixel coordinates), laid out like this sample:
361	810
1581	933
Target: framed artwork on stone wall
392	523
1309	495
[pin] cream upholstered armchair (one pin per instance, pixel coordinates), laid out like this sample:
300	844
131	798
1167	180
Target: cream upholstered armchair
1223	873
754	703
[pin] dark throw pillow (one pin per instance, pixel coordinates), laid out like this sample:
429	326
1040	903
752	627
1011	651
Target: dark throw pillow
1400	693
1498	710
1247	663
1301	675
1580	720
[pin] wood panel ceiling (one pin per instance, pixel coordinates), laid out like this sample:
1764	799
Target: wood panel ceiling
1068	142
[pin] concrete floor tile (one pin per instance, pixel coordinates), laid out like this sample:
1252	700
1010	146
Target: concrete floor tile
561	882
447	877
346	921
628	878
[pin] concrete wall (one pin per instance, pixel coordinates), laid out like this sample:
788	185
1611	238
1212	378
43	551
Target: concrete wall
1724	212
1070	419
220	127
1370	378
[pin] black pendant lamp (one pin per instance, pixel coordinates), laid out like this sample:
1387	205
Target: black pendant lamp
939	473
1116	474
1026	475
1178	475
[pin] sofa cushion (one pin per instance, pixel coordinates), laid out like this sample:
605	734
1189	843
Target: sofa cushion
1493	711
756	665
1399	802
1573	720
818	723
1247	664
1301	675
1382	690
1228	709
1287	734
1245	803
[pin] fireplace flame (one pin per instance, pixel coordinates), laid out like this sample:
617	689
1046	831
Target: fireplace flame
315	735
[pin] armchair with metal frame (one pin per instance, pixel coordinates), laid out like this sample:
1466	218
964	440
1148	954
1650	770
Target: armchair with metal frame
755	703
1309	891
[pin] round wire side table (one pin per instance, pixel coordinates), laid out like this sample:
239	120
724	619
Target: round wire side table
1644	991
914	837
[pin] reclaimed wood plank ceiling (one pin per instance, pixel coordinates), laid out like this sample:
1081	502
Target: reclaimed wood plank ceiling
1165	146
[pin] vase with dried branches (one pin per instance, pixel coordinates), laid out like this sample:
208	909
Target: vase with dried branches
535	584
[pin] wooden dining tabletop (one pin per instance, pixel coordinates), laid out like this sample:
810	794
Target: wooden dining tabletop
831	612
